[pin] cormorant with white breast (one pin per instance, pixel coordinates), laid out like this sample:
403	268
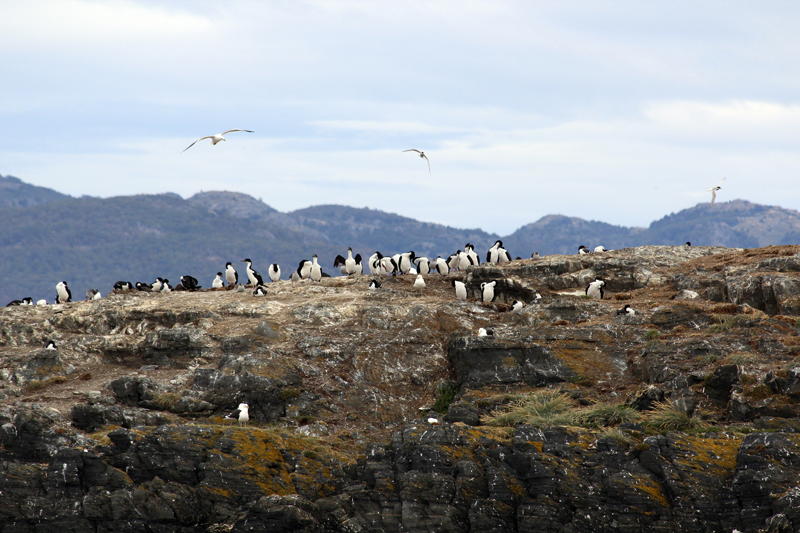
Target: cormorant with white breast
190	283
487	291
63	294
231	276
252	274
595	289
316	269
461	289
304	270
274	272
217	283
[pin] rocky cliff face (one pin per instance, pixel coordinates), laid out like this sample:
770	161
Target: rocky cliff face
384	411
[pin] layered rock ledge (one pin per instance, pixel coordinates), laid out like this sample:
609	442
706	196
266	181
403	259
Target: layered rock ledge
377	410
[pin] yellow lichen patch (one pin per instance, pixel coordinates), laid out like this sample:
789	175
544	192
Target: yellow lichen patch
715	457
583	358
651	488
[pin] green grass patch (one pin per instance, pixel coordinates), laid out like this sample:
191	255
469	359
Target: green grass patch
652	334
447	393
606	414
666	417
742	358
165	400
541	408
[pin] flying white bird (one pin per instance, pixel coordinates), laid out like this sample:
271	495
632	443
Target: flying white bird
714	190
214	138
422	155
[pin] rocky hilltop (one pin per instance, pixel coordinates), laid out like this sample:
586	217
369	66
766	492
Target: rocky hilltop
385	411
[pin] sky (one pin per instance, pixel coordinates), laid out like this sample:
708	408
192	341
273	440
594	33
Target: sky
621	112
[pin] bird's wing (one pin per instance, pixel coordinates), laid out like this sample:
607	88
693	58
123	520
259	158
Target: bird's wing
720	182
713	196
197	141
338	261
413	150
231	131
429	162
358	258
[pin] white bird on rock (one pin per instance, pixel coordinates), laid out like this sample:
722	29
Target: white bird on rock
419	283
214	138
461	289
595	289
487	291
241	414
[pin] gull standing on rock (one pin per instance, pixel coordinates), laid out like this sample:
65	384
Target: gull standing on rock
419	283
423	156
241	414
214	138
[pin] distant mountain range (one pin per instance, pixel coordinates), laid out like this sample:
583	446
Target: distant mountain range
46	236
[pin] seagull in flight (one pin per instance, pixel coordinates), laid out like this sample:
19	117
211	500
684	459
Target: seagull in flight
714	190
214	138
422	155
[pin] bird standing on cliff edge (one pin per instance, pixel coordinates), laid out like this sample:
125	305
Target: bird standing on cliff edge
241	414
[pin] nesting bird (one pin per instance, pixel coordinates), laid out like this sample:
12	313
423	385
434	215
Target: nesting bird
419	283
50	345
599	249
374	284
217	283
123	286
517	305
189	283
627	310
260	291
583	250
93	294
24	301
485	332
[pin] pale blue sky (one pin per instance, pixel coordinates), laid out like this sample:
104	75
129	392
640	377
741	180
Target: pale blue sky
614	111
